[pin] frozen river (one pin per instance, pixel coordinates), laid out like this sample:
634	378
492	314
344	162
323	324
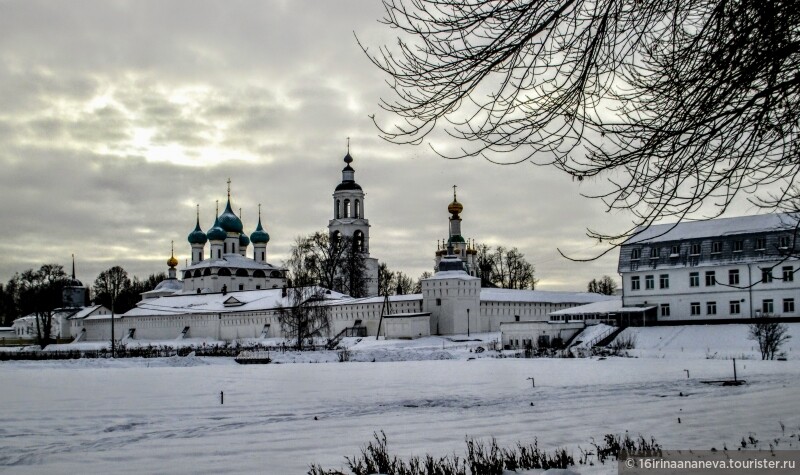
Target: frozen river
165	416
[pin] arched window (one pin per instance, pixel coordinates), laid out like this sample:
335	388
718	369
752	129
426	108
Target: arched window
358	209
338	209
258	273
207	271
187	274
336	236
346	208
358	241
275	274
198	273
224	272
242	273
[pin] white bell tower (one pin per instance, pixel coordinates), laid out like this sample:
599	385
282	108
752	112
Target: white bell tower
349	219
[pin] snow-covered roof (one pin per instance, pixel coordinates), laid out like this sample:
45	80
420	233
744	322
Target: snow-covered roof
169	284
603	307
540	296
378	299
408	315
451	274
233	261
85	312
251	300
716	227
165	287
103	316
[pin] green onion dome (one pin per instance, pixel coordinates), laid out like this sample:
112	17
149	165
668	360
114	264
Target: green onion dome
197	236
216	233
228	221
244	241
259	235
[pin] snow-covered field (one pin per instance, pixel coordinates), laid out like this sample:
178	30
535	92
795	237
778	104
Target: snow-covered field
164	415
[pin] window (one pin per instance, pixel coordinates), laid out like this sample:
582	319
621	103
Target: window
735	307
635	282
665	310
766	275
653	253
676	250
767	306
738	246
733	277
695	249
358	209
784	242
346	208
694	279
711	308
788	274
241	286
649	282
516	318
716	247
788	305
695	308
438	302
636	254
711	278
761	244
663	281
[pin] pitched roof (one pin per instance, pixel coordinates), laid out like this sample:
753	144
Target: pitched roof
540	296
716	227
251	300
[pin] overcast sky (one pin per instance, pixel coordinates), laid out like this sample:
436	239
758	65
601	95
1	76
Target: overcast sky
116	117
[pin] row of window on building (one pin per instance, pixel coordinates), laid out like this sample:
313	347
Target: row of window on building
784	242
734	307
711	278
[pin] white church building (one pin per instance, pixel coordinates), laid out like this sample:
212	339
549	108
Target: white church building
226	295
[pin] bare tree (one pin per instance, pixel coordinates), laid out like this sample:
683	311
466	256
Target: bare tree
404	284
109	285
418	284
393	282
770	336
39	292
305	315
605	286
505	268
385	279
331	262
678	105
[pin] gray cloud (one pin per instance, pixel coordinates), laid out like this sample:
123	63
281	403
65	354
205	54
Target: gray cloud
119	116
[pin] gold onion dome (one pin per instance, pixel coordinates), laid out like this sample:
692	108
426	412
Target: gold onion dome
172	262
455	207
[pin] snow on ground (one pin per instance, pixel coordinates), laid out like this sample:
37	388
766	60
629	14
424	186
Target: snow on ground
703	341
592	334
163	415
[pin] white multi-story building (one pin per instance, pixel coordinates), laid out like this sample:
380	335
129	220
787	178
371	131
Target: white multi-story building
720	269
